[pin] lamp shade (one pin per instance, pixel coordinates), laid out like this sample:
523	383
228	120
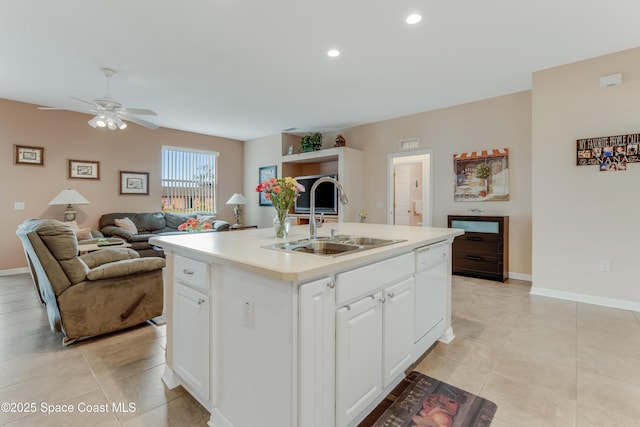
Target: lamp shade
69	197
237	199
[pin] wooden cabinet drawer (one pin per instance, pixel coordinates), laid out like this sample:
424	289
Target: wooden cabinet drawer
191	272
478	262
485	266
368	279
478	243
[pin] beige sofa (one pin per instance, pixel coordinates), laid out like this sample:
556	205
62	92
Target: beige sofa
92	294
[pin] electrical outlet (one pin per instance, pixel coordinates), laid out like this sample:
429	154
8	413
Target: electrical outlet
247	314
18	206
605	265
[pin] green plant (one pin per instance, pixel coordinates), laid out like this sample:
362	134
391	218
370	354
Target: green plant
311	142
482	171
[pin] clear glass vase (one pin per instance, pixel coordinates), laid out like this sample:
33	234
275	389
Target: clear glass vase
281	224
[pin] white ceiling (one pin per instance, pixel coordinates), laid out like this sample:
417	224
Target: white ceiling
243	69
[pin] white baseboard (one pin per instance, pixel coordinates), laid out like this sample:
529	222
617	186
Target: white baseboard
588	299
12	271
520	276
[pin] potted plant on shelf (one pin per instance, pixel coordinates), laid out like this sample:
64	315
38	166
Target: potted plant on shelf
311	142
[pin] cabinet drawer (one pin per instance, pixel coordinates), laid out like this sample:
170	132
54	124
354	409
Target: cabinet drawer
478	243
370	278
478	263
191	272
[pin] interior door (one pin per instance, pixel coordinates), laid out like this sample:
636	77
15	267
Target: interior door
402	202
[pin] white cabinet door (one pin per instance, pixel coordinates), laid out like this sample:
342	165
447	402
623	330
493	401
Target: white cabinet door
358	357
317	353
397	329
191	338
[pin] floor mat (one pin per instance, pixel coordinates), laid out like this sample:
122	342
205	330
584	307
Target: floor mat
422	401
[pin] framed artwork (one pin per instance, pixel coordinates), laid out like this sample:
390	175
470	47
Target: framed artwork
84	169
134	183
28	155
265	173
610	153
481	176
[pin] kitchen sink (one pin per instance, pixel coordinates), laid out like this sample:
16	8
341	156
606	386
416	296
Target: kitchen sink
364	241
334	246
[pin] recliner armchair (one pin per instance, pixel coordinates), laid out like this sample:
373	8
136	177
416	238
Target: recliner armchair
91	294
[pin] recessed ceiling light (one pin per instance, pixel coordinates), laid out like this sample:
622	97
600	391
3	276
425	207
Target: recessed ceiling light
414	18
333	53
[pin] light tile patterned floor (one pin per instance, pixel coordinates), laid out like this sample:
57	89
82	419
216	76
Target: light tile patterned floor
544	362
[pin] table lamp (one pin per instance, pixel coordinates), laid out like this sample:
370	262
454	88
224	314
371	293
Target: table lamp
238	200
68	197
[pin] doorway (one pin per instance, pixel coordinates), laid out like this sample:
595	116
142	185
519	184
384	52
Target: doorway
409	188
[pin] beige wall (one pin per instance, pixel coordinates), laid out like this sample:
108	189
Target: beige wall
66	135
260	152
582	216
494	123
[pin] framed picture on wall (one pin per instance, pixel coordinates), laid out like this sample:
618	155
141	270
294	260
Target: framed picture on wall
28	155
84	169
481	176
265	173
134	183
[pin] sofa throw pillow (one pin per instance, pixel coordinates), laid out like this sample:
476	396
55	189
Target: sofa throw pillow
206	218
81	233
127	224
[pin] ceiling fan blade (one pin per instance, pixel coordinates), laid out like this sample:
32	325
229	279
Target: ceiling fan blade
82	100
53	108
141	111
138	121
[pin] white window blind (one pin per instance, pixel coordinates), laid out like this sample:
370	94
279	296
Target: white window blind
188	180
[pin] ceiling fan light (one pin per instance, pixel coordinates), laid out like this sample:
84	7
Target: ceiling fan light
121	125
101	120
93	122
111	125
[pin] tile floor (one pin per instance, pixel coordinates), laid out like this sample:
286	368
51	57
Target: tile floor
544	362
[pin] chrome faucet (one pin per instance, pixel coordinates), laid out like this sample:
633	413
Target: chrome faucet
312	214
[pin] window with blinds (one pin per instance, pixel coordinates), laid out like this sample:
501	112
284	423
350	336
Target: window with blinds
188	180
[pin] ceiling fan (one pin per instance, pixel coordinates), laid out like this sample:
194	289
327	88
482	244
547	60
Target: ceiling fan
110	113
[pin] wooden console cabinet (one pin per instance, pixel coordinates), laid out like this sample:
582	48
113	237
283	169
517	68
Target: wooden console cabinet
483	251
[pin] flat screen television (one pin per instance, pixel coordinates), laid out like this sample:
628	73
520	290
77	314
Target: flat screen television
326	195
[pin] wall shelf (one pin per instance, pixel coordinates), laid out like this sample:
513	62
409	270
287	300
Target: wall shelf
345	162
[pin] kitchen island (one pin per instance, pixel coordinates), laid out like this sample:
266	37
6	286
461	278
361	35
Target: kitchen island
273	338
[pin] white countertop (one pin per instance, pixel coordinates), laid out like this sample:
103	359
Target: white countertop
243	249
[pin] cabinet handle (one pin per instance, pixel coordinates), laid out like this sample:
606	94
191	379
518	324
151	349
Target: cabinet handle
474	238
200	301
187	272
382	300
391	295
331	284
473	258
